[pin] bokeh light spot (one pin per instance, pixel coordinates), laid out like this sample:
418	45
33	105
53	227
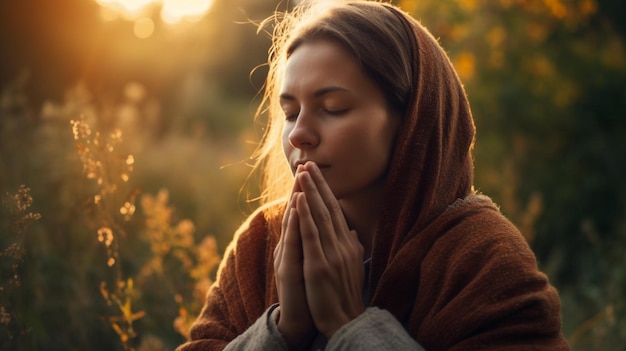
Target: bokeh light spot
144	27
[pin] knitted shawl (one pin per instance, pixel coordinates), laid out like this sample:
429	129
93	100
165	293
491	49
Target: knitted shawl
445	262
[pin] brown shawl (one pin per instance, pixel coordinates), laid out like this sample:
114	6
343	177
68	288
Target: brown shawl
455	272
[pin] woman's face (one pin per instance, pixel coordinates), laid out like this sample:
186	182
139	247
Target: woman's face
336	116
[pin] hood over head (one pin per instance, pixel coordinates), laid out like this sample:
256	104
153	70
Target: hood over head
432	164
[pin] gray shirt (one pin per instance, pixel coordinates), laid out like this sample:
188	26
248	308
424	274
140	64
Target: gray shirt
374	329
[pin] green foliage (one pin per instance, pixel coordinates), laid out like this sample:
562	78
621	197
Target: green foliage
123	269
546	80
16	218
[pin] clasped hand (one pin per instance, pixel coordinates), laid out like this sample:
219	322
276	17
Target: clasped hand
318	262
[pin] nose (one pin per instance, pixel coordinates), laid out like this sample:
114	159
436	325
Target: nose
304	132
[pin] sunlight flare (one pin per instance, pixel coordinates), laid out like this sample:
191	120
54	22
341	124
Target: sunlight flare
128	8
172	11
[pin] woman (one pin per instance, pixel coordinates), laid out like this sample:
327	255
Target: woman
372	236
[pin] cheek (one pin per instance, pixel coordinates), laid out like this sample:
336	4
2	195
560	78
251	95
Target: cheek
378	145
361	148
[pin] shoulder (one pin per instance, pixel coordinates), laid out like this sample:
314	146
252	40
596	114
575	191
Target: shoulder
254	227
484	280
253	231
482	248
256	233
250	249
479	225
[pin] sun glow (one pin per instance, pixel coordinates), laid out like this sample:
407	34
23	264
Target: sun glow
172	11
129	9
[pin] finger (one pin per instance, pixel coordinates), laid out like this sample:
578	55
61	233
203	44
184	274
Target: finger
290	204
323	199
328	198
337	240
279	247
289	254
309	233
320	214
295	189
295	322
292	245
288	207
296	186
320	182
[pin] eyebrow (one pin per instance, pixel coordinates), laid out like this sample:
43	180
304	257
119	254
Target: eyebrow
317	93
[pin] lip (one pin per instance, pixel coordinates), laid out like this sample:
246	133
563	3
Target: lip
302	162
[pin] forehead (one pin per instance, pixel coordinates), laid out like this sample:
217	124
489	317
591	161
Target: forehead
313	65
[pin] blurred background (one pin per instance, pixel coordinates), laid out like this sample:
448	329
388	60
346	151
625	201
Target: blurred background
126	128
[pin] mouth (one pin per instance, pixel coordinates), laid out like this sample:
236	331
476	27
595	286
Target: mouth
321	166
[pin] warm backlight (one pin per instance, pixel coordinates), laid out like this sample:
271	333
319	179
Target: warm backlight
175	10
172	11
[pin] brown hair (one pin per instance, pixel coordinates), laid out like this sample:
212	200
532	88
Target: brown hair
372	31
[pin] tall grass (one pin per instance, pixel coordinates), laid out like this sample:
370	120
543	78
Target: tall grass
17	218
121	254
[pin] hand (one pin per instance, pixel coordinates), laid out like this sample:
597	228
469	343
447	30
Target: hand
294	322
333	255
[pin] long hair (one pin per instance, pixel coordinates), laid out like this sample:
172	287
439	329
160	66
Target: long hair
371	31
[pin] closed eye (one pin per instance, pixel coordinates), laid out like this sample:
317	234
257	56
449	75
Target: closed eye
336	112
290	117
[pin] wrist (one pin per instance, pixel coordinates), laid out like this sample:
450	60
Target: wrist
296	337
331	329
